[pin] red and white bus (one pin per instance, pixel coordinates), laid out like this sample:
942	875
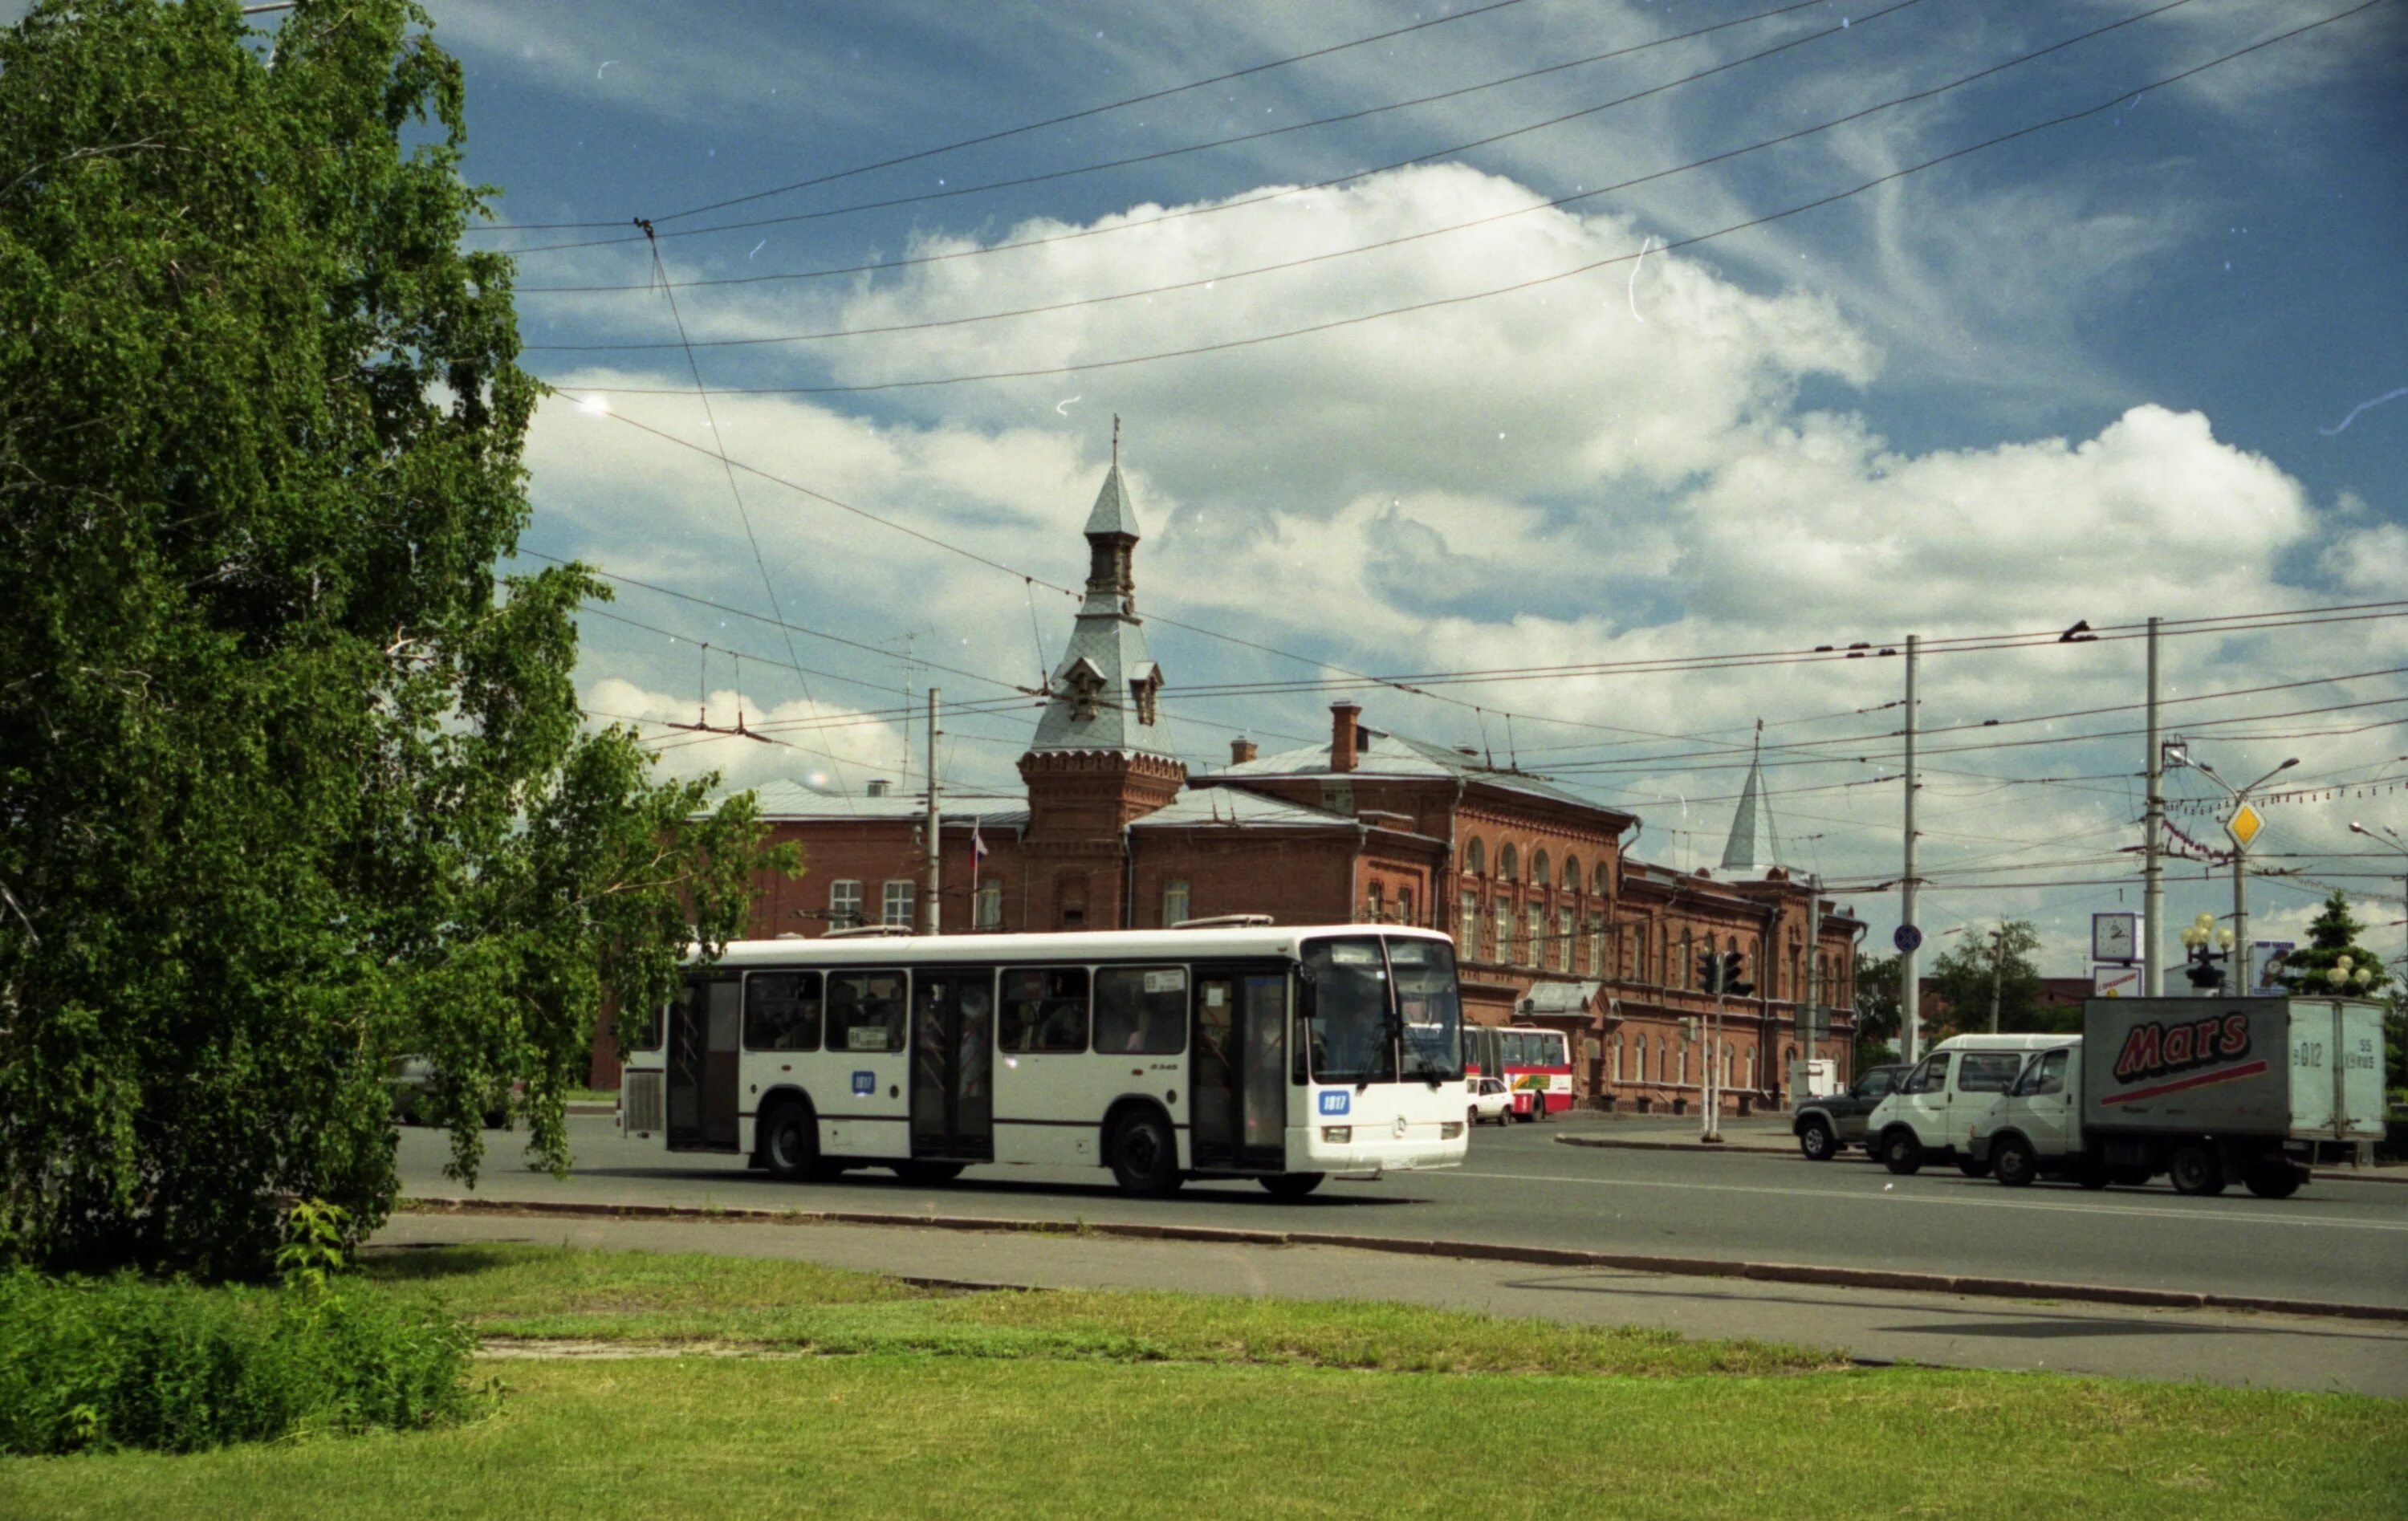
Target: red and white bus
1536	1064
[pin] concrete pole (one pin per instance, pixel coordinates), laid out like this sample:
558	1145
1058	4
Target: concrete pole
2153	870
1910	994
1810	1013
931	918
1997	971
2239	962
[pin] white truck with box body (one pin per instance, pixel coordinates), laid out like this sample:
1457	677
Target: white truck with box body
1928	1117
2205	1091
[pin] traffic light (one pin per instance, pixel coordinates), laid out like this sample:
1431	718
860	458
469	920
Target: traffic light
1731	983
1719	972
1710	971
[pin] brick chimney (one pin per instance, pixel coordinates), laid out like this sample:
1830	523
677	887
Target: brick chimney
1240	751
1344	719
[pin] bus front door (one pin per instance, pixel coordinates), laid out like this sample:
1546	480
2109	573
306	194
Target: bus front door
705	1022
953	1064
1237	1072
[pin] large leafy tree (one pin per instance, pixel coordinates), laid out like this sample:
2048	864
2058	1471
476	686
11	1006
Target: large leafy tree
1878	1010
288	784
1994	963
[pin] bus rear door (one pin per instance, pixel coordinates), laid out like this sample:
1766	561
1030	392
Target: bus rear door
705	1025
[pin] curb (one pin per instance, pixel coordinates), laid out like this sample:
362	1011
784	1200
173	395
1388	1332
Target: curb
1543	1256
2393	1175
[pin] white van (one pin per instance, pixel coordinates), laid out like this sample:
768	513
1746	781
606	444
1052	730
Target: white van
1931	1115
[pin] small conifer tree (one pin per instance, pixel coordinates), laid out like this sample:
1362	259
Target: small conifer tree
2332	945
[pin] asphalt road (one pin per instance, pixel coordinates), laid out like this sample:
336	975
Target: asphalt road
2334	1241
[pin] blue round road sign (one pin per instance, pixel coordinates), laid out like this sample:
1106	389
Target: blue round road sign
1906	938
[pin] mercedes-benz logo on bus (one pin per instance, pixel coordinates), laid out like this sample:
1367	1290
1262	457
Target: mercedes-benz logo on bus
1400	1127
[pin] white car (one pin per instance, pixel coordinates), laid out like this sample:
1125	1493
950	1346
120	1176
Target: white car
1491	1100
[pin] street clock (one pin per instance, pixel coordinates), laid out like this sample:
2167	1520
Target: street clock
2114	936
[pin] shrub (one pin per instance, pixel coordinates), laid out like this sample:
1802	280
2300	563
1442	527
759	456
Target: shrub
101	1363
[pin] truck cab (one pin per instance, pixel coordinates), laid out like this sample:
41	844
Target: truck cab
1932	1114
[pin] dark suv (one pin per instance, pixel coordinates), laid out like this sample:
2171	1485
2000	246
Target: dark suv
1824	1125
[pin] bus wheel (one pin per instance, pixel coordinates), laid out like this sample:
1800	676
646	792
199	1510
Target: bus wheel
790	1144
1291	1184
927	1174
1145	1156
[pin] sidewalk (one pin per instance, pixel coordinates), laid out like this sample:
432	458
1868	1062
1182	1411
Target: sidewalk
1872	1324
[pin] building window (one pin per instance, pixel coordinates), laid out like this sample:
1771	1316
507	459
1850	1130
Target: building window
1509	863
844	905
1467	924
1373	910
1597	967
1174	902
1604	880
896	906
1405	906
1502	949
1541	876
1572	874
1563	956
987	913
1534	953
1475	858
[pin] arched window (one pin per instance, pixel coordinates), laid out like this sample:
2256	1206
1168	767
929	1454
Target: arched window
1475	858
1540	875
1509	863
1572	874
1604	885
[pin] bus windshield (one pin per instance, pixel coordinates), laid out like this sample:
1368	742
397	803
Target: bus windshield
1431	1009
1346	1012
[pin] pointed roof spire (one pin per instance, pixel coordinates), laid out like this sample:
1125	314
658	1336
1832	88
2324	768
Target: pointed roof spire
1113	512
1755	845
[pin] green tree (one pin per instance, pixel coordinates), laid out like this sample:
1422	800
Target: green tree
1878	1012
288	784
2000	960
2332	944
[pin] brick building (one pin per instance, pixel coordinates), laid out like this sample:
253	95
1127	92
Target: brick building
1554	924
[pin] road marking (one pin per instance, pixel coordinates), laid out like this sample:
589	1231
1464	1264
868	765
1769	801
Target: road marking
2254	1218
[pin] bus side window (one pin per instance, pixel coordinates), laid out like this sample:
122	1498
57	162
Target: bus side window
865	1011
1142	1011
1044	1010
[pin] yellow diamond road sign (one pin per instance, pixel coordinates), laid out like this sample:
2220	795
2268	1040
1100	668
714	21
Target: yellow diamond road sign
2243	824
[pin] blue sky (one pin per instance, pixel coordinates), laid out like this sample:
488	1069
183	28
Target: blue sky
2100	372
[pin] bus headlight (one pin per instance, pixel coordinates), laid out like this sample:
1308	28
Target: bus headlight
1338	1135
1450	1131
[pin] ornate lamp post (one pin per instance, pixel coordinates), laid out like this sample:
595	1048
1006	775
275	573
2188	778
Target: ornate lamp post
2200	937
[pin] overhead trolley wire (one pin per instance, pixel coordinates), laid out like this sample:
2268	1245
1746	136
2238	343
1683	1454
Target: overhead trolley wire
1300	126
2120	98
1202	281
998	135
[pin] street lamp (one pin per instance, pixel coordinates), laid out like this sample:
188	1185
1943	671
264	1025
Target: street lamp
2383	835
2199	937
2241	866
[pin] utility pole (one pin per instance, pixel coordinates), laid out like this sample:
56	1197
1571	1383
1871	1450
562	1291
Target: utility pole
932	918
1997	971
2240	963
1909	991
1810	1013
2153	844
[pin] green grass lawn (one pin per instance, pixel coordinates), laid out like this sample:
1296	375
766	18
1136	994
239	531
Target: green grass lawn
970	1405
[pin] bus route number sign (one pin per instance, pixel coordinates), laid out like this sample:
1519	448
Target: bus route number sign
1336	1103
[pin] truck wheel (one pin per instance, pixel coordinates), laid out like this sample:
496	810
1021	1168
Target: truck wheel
1973	1166
2275	1177
2012	1162
1145	1156
2196	1169
1902	1152
1814	1140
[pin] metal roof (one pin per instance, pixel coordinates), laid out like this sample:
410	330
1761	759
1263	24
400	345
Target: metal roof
1382	754
1235	807
784	800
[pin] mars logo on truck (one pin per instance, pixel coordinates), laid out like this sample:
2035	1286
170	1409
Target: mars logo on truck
2161	1048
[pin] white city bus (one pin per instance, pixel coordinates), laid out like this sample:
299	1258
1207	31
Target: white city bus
1281	1054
